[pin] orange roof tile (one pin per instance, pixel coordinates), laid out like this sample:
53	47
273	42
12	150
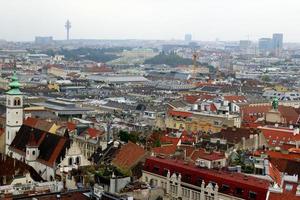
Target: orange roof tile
128	156
275	174
30	121
202	154
165	149
236	99
71	126
169	140
279	136
286	194
180	113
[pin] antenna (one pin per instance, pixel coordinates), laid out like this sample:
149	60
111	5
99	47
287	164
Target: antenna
68	27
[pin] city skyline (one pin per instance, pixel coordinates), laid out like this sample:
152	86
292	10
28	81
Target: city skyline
230	20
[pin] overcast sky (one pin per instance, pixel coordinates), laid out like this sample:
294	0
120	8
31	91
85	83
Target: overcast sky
150	19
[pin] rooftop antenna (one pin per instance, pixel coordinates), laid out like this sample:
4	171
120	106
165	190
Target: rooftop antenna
68	27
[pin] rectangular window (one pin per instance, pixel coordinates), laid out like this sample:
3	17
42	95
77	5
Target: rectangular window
198	181
187	178
224	188
252	195
165	172
156	169
239	191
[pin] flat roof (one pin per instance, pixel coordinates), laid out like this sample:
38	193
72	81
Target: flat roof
61	106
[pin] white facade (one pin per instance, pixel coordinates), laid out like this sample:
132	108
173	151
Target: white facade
14	117
176	189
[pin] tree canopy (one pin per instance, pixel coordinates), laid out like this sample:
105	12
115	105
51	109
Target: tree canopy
97	55
171	59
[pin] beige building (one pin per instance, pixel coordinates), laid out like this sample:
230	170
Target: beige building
201	121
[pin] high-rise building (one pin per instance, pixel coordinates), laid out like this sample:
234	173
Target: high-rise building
188	37
245	44
265	45
277	41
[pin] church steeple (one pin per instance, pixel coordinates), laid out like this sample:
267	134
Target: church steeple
14	111
14	85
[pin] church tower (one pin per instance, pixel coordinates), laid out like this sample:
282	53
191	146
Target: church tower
14	111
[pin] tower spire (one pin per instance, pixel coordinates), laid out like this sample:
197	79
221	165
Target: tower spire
14	84
68	27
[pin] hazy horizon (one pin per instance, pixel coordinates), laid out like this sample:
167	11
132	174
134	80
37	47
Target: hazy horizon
206	20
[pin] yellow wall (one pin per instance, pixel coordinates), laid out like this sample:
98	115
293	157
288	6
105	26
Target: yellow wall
54	128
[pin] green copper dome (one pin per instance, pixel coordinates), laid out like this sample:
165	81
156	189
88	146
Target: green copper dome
14	85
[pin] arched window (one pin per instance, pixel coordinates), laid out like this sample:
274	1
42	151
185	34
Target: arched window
78	160
70	161
33	153
17	101
51	178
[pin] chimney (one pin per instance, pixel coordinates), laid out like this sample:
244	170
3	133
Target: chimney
296	131
276	125
244	142
256	142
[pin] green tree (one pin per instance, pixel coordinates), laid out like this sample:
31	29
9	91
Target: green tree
265	78
124	136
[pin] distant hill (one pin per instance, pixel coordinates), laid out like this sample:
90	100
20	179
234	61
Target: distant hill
171	59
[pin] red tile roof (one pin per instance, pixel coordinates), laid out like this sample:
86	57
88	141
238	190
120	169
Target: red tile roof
180	113
93	133
30	121
286	194
202	154
128	156
38	123
275	174
188	149
236	99
289	114
188	139
71	126
191	99
165	149
169	140
276	137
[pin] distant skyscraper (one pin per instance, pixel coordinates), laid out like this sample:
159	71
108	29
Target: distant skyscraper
265	45
244	44
277	43
68	27
188	37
